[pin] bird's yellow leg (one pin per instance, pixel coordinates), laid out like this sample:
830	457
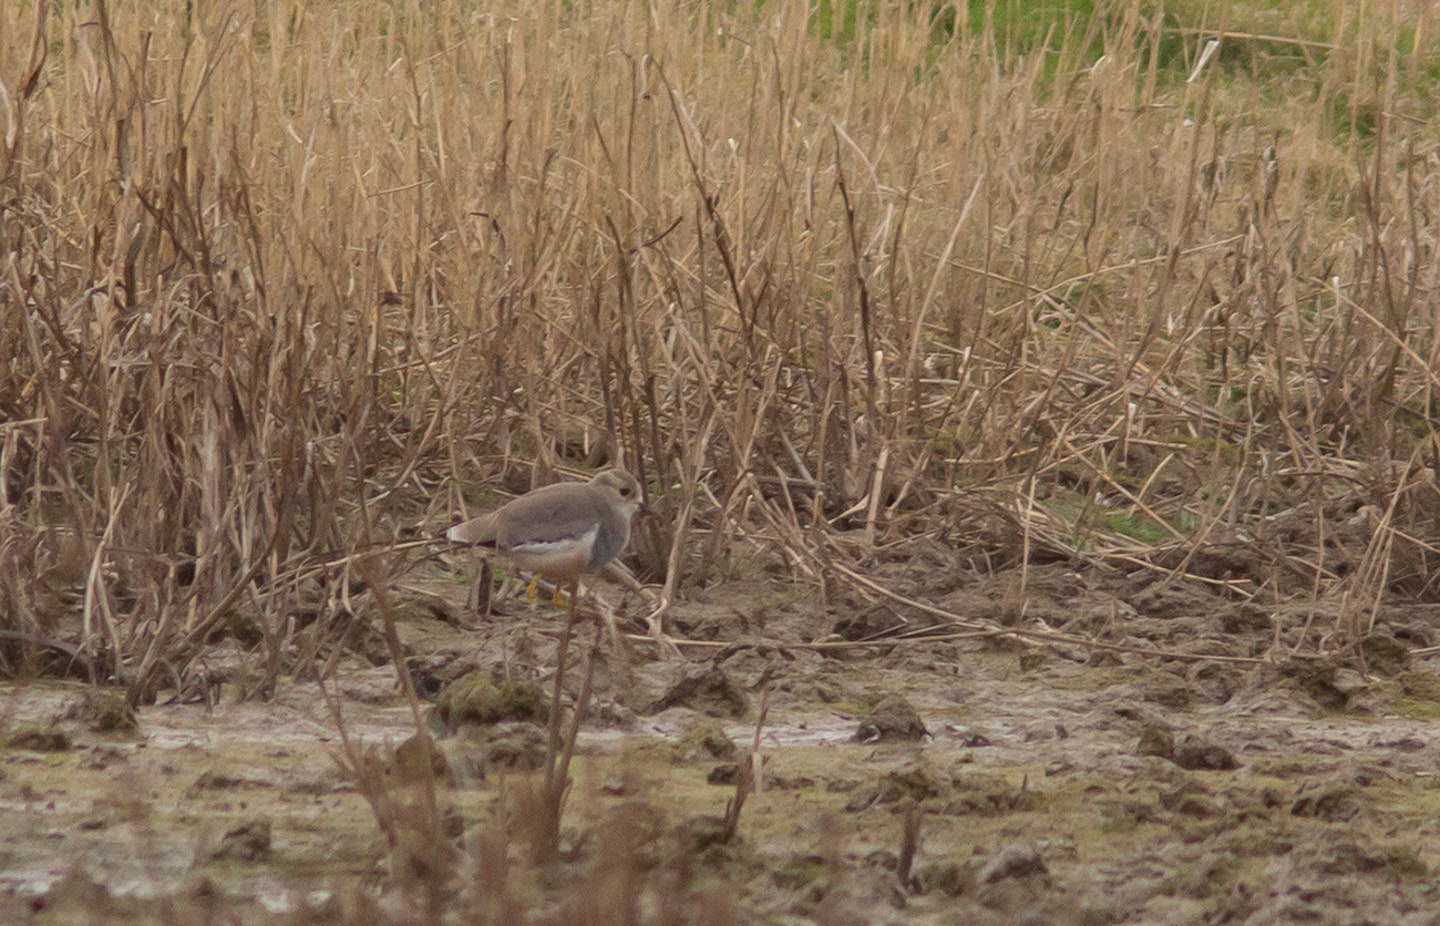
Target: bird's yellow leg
559	597
532	591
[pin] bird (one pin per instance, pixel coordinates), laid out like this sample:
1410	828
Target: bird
560	531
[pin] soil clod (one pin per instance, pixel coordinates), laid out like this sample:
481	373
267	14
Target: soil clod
708	690
892	718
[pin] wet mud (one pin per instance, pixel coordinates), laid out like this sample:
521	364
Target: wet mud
1188	770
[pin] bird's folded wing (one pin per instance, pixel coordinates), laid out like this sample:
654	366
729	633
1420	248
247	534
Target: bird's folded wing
550	517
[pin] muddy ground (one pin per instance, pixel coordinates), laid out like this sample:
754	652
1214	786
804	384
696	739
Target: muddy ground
1192	771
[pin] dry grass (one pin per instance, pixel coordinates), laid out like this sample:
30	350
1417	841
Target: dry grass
278	280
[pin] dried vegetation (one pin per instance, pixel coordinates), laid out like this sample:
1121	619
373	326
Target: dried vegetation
279	280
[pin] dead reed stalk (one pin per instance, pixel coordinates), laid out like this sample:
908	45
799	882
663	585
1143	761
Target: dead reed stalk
275	274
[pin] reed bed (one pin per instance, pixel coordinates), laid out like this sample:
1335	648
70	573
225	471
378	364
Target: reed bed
280	280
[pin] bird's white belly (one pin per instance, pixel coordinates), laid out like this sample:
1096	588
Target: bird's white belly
559	559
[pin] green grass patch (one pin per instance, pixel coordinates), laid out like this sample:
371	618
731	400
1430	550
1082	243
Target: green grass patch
1412	708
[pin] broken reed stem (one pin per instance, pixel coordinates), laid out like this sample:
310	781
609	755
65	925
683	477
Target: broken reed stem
909	844
558	752
582	707
410	816
748	776
557	703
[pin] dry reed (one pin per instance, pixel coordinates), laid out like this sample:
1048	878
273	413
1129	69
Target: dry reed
278	279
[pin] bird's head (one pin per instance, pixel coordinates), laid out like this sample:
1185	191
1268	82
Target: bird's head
622	490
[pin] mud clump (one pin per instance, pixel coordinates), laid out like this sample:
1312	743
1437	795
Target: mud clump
513	745
948	878
1166	600
709	691
1016	878
873	623
418	760
989	795
1316	677
915	781
482	698
799	871
1195	754
1022	861
1189	751
75	898
1191	799
1385	654
106	712
215	780
892	719
39	739
1332	804
1168	691
1353	858
704	739
1156	740
1420	683
1215	683
249	842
